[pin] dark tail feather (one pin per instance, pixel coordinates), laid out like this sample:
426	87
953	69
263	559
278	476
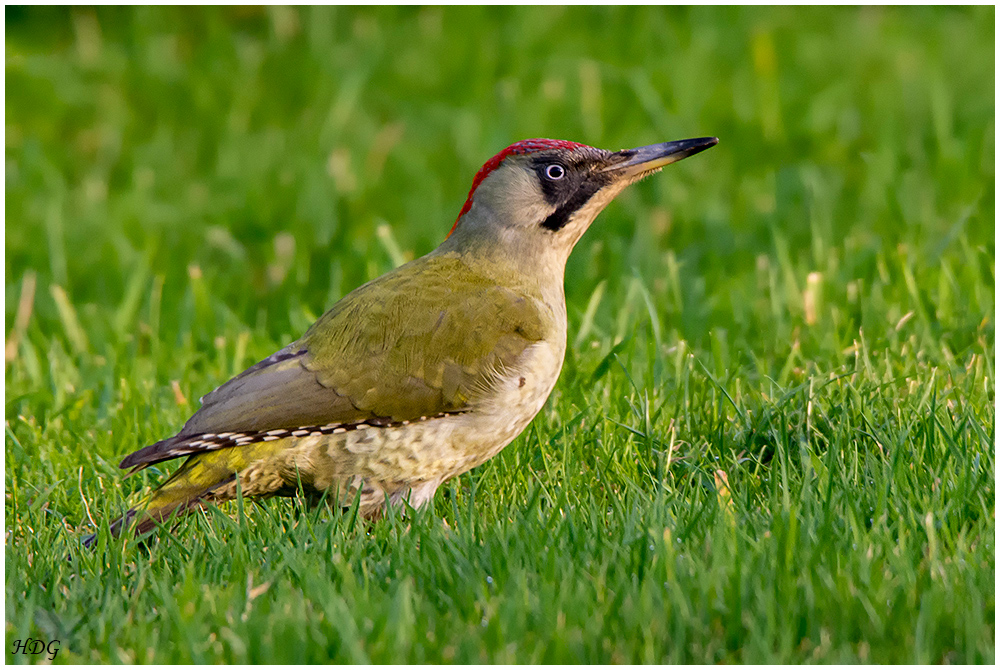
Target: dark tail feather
116	529
148	520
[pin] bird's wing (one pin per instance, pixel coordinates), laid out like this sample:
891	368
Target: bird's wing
397	349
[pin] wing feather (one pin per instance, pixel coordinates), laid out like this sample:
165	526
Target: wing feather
424	340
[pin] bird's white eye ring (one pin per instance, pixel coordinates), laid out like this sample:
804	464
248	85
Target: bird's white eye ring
555	172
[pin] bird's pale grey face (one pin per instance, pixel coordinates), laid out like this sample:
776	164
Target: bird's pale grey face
546	198
537	204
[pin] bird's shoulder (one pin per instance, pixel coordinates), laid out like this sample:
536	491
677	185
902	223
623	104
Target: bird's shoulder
415	297
428	332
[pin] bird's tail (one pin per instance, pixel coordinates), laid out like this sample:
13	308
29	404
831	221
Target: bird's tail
205	476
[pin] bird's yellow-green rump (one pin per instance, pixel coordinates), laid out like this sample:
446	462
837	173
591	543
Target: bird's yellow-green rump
422	373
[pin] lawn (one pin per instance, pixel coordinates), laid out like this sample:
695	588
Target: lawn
773	436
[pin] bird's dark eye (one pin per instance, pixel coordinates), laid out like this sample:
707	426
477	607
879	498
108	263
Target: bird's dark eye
555	172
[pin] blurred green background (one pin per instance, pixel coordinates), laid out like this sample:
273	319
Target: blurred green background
188	188
266	146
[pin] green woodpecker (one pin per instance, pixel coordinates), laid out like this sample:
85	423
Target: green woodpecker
423	373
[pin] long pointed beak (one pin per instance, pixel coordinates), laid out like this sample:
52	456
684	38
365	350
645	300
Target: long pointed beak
643	160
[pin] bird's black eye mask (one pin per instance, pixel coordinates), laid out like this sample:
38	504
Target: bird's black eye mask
566	186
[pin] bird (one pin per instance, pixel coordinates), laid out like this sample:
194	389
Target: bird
420	374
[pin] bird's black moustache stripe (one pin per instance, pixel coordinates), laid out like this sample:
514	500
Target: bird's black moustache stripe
559	218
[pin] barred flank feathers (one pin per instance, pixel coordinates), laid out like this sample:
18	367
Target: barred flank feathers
182	445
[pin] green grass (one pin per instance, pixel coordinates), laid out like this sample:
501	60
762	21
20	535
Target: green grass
773	437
